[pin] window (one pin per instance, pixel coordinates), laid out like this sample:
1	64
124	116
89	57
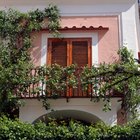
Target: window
69	51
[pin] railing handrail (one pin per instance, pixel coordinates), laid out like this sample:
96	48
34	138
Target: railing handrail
30	87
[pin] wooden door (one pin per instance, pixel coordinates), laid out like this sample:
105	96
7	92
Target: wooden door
71	51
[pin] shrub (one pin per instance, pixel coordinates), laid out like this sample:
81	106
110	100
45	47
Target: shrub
16	130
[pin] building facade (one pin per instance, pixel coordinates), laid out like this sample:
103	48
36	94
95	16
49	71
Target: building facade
92	32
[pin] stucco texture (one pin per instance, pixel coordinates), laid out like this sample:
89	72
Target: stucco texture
108	36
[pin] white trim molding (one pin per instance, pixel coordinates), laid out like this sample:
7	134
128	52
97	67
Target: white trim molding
94	37
44	45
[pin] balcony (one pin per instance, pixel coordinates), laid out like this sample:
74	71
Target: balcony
40	84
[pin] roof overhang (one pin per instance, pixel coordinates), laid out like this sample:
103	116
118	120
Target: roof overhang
80	23
62	2
83	28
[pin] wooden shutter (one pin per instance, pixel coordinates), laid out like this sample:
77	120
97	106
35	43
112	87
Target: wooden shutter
59	52
80	53
80	56
69	51
139	56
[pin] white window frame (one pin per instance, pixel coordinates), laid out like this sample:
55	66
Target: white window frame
93	36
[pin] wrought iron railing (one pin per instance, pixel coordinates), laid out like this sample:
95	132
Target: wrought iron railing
36	87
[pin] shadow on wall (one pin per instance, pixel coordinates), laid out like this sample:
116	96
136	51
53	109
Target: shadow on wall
81	116
35	50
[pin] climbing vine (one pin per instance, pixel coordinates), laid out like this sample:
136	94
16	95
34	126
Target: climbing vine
119	79
15	41
16	77
122	78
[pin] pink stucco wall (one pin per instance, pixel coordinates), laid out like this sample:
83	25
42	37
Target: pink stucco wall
35	51
108	40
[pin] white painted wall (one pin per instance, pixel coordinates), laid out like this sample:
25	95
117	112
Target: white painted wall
130	29
34	109
58	2
72	8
